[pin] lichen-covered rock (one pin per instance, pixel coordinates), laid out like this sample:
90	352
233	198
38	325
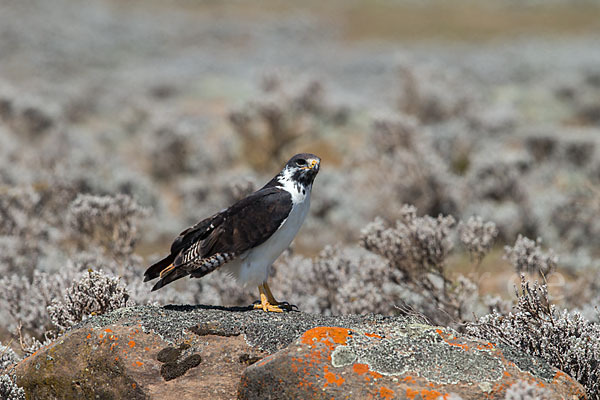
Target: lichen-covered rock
397	361
191	352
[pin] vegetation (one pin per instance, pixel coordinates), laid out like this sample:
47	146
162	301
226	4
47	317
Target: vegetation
447	170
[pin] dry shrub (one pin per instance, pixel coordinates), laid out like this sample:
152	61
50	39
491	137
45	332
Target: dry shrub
477	236
282	115
9	389
95	293
527	256
433	94
564	339
410	169
107	221
398	266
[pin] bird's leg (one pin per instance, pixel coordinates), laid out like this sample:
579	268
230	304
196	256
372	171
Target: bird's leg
272	300
265	305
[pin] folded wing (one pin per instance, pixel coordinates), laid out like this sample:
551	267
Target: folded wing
220	238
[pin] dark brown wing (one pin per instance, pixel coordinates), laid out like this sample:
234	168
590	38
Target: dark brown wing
229	233
184	241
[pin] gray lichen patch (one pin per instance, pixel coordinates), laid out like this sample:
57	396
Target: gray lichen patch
342	356
526	363
419	350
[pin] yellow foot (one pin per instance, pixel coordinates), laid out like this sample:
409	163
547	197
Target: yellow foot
267	307
268	302
264	303
287	306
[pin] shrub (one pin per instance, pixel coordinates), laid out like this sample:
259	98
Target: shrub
172	149
575	221
398	266
8	358
95	293
498	179
477	237
563	339
527	256
279	117
107	221
25	299
416	245
433	94
340	280
9	390
414	171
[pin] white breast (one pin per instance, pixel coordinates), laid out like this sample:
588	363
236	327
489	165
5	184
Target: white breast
253	267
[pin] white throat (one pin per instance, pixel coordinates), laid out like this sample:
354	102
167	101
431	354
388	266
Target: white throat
300	193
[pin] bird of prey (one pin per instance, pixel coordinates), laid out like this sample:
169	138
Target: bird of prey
246	238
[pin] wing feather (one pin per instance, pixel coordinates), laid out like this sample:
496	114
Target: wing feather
225	235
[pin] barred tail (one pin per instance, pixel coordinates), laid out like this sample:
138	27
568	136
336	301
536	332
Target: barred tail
201	267
196	268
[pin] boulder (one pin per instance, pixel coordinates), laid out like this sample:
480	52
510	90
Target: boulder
201	352
397	361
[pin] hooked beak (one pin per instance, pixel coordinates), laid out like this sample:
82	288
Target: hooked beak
313	164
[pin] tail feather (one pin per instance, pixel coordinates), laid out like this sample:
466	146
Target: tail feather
166	271
172	275
207	265
154	271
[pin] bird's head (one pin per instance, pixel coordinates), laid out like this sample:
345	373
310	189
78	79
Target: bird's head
302	168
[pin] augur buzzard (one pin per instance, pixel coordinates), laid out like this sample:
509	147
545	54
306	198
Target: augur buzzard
246	238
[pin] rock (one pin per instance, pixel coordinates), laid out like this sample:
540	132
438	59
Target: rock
397	361
185	352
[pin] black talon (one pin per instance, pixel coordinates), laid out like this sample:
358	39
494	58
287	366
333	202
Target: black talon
288	306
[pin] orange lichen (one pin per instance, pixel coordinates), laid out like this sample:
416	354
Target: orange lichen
108	330
360	368
328	335
88	336
375	375
411	394
332	378
133	385
573	384
386	393
264	361
139	363
131	343
409	379
146	348
447	339
373	335
486	346
432	395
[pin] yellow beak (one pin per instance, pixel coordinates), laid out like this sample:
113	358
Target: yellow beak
312	163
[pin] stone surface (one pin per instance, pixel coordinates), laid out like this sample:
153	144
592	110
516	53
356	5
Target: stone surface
396	361
191	352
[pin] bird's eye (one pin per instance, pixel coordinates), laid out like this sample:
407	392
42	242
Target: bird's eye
301	162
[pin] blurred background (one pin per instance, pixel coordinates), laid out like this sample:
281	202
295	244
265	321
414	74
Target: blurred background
122	122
